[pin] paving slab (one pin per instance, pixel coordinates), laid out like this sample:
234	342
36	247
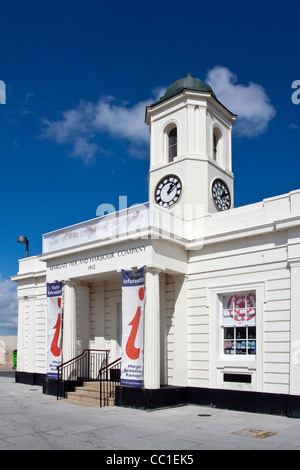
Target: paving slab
30	420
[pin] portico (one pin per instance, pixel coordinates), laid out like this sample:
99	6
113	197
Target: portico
92	296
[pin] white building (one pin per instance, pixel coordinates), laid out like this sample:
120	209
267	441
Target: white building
222	297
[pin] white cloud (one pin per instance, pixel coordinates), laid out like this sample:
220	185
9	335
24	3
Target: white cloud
122	121
8	307
250	102
80	126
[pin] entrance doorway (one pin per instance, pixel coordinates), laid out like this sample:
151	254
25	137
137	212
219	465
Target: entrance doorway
116	339
118	329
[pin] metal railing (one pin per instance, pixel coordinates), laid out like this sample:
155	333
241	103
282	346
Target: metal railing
85	367
109	377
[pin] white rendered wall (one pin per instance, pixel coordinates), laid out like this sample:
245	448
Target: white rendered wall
240	268
32	316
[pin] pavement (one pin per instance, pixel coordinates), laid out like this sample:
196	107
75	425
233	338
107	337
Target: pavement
30	420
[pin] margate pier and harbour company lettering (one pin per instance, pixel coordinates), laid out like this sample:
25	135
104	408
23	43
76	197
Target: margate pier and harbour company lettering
92	260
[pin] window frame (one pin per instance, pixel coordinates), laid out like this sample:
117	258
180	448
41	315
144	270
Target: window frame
214	297
222	363
169	127
174	145
216	144
238	344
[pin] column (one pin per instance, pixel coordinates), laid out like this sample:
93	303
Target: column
152	330
69	321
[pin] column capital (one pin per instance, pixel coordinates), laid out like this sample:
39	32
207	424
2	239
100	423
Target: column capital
154	268
70	283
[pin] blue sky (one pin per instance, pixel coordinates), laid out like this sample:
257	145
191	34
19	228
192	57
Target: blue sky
78	76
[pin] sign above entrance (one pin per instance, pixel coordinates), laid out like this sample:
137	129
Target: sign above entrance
117	224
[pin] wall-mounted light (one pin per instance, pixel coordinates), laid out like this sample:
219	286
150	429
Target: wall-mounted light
24	240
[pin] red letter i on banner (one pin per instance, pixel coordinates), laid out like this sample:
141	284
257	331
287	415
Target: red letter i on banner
131	351
55	349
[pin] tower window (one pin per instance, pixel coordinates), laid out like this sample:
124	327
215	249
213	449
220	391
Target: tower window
172	144
216	145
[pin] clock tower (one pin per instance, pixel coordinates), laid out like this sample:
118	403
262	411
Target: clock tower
190	149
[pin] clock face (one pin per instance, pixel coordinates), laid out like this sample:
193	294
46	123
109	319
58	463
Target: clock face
168	191
221	195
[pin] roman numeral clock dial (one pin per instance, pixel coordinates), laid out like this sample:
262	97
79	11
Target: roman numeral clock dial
168	191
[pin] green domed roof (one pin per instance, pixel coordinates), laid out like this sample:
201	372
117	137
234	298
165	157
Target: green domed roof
186	83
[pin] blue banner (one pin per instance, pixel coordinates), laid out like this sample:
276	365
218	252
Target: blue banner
133	278
54	289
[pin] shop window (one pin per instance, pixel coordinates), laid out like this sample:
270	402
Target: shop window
172	143
239	324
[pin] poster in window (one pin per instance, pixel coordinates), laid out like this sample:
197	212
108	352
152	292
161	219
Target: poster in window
239	308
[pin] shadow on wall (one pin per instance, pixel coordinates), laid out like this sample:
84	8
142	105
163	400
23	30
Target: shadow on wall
7	345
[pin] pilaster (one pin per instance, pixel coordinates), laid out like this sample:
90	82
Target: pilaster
21	334
152	330
295	327
180	363
84	317
100	314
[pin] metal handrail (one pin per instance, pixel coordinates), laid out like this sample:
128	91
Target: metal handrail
109	377
84	367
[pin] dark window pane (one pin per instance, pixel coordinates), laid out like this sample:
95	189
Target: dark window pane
172	144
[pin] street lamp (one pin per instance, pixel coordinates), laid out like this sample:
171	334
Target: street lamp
24	240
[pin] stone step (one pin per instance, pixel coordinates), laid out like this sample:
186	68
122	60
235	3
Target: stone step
95	387
84	393
77	401
89	394
86	401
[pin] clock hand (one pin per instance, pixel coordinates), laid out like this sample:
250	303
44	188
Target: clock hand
171	188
